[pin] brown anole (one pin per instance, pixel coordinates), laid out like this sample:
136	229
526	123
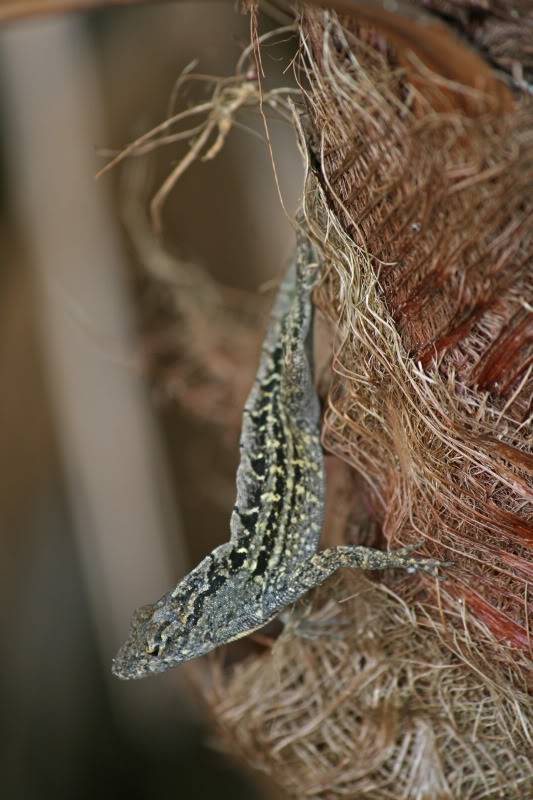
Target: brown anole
271	558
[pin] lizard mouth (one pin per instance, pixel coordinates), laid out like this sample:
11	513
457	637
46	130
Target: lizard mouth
124	667
127	667
140	655
133	660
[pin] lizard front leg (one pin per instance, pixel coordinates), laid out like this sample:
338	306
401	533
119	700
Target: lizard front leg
322	565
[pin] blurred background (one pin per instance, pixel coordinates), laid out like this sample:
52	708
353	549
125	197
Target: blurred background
111	488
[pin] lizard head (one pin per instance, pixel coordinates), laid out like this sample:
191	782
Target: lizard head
138	655
170	631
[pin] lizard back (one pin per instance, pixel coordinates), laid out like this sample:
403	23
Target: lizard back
280	487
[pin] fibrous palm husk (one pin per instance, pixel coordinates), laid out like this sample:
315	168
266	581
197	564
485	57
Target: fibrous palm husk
423	214
431	399
366	695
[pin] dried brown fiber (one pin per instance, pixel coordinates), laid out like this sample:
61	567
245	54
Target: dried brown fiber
432	389
370	698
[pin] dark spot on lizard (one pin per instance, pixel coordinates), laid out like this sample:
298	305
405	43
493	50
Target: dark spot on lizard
248	521
262	563
236	560
214	581
258	464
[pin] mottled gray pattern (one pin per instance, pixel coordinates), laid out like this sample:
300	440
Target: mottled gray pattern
271	558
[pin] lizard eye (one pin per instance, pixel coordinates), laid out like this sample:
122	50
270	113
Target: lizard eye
152	648
157	641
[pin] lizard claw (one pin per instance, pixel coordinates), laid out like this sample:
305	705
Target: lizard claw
428	565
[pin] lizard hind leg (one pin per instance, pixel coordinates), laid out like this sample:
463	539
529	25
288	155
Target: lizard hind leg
321	565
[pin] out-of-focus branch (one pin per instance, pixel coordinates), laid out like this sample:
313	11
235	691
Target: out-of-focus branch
406	25
121	501
19	9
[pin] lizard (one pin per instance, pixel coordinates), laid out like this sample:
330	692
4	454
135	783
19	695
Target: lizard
272	556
